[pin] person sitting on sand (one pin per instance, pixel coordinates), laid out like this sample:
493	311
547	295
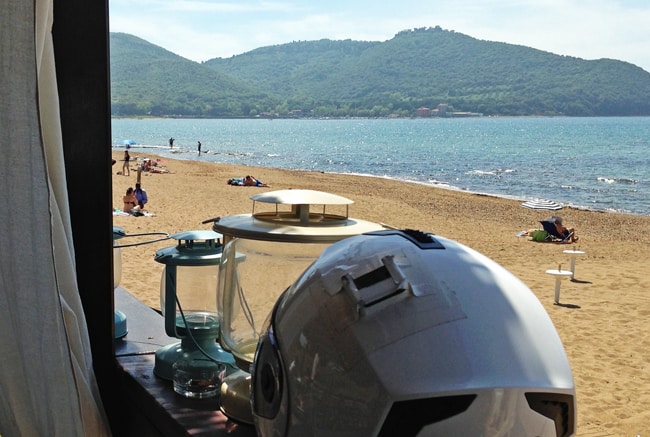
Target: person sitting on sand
130	202
140	195
563	230
146	164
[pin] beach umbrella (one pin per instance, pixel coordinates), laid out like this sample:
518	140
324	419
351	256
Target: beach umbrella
541	204
127	142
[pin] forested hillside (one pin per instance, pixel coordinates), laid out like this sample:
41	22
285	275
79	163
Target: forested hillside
421	67
149	80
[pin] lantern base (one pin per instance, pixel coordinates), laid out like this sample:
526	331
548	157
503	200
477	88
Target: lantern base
235	397
166	356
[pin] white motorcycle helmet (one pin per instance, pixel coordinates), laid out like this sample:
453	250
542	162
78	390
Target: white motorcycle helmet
402	333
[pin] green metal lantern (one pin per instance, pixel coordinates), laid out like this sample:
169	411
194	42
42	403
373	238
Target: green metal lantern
188	300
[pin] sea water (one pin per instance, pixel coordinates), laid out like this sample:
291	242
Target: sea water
593	163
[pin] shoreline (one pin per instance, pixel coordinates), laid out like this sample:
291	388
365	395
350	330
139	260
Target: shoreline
436	184
603	317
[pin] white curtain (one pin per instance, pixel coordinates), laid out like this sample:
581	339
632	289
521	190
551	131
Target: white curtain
47	385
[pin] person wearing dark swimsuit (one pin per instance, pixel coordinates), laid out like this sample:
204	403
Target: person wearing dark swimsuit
130	201
125	167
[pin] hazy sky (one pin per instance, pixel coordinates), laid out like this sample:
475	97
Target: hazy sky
204	29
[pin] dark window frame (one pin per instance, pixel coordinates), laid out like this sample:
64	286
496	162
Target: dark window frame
136	402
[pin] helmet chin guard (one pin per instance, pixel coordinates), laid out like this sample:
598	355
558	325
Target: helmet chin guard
406	333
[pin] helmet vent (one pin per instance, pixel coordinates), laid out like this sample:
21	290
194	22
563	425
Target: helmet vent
556	406
379	287
407	418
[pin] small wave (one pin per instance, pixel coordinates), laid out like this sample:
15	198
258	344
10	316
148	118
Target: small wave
497	172
438	183
617	180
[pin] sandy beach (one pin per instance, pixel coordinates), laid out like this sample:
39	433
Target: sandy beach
604	316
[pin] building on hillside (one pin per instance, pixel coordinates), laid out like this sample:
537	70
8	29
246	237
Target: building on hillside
442	110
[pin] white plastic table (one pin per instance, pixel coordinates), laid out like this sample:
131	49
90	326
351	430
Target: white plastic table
573	253
559	275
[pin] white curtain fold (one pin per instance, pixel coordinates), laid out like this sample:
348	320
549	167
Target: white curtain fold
47	384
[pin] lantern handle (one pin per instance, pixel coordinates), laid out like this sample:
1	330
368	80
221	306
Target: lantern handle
211	220
191	336
167	237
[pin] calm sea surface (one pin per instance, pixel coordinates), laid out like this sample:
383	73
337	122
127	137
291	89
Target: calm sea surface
594	163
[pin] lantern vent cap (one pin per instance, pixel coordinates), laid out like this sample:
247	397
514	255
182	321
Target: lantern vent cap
194	248
301	212
299	223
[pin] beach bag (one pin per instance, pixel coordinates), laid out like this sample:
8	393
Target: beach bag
539	235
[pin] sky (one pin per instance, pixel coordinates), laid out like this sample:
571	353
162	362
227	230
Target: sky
200	30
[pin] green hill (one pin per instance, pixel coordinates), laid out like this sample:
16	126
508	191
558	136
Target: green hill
420	67
149	80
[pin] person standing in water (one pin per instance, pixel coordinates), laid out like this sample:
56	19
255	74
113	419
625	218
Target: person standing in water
171	142
199	147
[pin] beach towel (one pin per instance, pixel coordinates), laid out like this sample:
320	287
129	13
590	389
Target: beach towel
236	181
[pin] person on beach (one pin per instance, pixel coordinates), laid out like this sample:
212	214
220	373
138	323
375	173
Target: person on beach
171	142
250	181
140	195
246	181
236	181
130	202
563	230
126	171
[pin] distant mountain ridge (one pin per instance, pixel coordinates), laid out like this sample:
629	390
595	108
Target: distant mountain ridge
416	68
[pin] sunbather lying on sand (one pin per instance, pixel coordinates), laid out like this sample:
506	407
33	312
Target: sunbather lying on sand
247	181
